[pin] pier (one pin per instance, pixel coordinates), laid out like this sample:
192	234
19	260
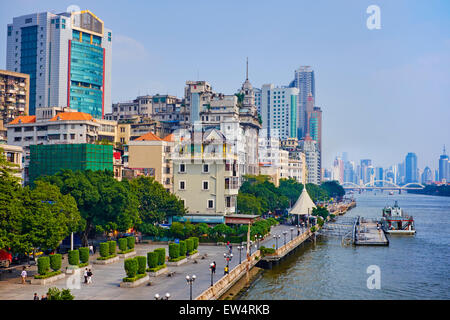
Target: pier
368	234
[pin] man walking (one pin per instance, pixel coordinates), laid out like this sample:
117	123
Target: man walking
24	275
85	275
89	276
36	297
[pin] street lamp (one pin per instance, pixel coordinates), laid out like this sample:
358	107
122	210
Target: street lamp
166	297
284	234
276	237
228	257
250	247
211	266
240	248
258	237
190	280
292	229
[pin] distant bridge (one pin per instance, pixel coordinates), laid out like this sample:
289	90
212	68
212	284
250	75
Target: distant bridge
385	185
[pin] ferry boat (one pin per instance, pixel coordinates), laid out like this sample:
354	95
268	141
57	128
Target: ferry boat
391	193
395	221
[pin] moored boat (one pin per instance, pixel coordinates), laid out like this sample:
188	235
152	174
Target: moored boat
395	221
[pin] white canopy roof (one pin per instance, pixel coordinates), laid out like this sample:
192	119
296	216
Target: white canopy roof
304	204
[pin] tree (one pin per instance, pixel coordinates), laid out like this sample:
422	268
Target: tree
248	204
177	230
333	188
105	204
155	203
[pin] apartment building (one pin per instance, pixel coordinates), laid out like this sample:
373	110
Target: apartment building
14	155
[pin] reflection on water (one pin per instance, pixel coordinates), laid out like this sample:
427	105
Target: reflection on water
412	267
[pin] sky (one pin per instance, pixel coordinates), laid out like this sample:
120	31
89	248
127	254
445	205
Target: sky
383	92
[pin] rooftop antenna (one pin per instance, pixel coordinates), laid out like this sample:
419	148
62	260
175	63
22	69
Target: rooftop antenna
246	74
444	149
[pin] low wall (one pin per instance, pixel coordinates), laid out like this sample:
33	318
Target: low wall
225	283
282	251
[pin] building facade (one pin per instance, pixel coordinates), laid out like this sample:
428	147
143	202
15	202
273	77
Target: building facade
14	155
68	57
14	98
411	168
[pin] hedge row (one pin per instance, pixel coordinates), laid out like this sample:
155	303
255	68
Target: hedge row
130	242
43	265
55	262
74	257
84	255
123	244
104	249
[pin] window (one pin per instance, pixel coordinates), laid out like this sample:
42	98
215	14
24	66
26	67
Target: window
228	201
205	168
72	136
182	185
182	168
210	204
205	185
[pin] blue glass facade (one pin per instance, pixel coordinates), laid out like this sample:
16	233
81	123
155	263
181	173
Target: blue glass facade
28	61
86	74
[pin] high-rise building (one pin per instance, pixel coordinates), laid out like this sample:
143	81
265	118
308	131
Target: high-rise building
312	155
444	167
411	168
279	111
14	98
305	83
364	173
427	176
68	57
379	175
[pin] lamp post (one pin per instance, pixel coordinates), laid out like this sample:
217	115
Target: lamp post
258	237
276	237
292	229
250	247
190	281
211	267
166	297
240	248
284	234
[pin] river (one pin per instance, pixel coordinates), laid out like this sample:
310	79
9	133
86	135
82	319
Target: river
411	267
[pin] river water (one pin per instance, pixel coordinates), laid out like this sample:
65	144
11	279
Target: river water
411	267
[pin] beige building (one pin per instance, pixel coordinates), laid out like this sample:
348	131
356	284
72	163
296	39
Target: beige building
149	155
14	98
14	154
206	174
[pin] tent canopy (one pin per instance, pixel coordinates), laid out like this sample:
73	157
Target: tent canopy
304	204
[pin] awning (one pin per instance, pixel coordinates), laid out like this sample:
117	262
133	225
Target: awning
304	204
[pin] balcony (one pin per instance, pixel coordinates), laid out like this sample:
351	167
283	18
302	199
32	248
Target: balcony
21	93
22	84
12	91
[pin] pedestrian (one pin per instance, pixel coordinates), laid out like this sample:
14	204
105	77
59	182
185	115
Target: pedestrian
85	275
44	297
213	268
36	297
24	275
225	271
231	248
91	249
89	276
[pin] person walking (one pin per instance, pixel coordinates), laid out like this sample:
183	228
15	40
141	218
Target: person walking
44	297
213	268
36	297
91	249
225	270
24	275
89	276
85	275
231	248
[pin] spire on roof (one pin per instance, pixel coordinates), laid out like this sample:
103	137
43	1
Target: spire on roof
246	75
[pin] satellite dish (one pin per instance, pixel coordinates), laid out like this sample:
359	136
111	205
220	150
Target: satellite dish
73	8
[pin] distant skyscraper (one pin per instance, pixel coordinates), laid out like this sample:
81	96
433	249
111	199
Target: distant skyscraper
304	81
379	175
411	168
427	176
68	57
365	174
444	167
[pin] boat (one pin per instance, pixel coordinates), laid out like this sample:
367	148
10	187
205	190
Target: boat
395	221
391	193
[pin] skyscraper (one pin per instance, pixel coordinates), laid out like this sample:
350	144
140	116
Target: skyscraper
364	173
305	83
443	167
411	168
68	57
427	176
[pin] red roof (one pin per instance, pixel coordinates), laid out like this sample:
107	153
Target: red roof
169	138
72	116
24	119
149	136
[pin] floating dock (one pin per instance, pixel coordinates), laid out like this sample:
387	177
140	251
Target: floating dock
369	233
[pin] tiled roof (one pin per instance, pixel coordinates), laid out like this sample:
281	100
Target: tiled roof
149	136
169	138
63	116
24	119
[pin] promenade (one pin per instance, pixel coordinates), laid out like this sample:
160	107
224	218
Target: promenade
106	278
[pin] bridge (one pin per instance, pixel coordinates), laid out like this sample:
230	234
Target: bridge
383	185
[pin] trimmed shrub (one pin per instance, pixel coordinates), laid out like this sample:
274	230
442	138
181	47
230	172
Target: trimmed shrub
84	254
142	264
174	250
55	262
131	267
112	247
182	248
74	257
123	244
161	255
130	242
195	239
43	265
152	259
104	249
189	245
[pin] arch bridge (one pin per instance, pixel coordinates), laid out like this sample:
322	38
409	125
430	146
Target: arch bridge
383	185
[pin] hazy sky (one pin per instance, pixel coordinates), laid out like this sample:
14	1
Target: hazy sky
383	93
